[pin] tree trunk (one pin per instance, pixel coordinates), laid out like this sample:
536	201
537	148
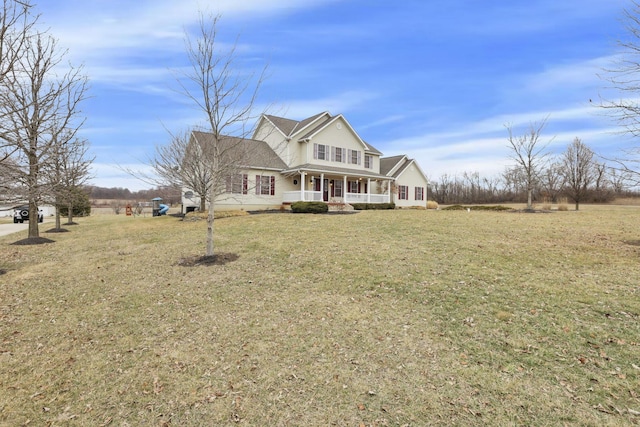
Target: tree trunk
210	219
58	226
33	219
529	199
70	214
577	205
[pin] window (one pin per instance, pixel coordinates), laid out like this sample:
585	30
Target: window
265	185
368	161
403	192
237	184
353	187
337	154
419	193
320	152
354	157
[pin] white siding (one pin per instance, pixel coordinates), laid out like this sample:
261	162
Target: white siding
412	178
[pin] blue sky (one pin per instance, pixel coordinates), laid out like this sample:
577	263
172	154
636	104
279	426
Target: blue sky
434	79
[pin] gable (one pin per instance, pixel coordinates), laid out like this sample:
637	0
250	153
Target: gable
333	132
332	127
402	168
289	127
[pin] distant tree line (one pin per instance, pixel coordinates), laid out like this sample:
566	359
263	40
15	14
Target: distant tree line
575	175
170	195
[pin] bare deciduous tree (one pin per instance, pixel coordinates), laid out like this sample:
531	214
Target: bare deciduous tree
227	97
529	154
551	181
16	22
577	170
180	164
623	76
39	108
67	172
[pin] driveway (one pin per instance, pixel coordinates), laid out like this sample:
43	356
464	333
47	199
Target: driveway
6	229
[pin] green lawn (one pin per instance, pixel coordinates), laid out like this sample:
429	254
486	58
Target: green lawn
388	318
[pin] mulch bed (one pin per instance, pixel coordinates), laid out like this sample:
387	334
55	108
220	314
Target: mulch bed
57	230
33	241
216	259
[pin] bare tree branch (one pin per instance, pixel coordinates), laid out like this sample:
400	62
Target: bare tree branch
227	96
529	154
39	109
578	170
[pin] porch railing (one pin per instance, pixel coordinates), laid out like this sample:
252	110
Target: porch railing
309	196
316	196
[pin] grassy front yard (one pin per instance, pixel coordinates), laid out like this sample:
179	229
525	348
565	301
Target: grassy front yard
386	318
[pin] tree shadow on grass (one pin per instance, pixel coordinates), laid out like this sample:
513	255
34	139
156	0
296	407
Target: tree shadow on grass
632	242
57	230
2	271
33	241
216	259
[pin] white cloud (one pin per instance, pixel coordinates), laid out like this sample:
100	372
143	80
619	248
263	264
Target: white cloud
340	103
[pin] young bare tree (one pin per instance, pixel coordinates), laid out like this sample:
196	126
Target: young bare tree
578	170
180	163
67	172
529	154
551	180
39	109
226	95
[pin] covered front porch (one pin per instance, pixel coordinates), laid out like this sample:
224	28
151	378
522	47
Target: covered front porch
339	188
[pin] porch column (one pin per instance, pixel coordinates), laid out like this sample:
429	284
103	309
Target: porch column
322	187
368	190
389	191
344	189
303	177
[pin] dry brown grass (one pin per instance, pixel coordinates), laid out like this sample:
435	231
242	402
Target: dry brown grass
563	204
380	318
432	204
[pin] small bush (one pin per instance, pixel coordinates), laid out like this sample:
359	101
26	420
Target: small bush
546	204
309	207
432	204
563	205
373	206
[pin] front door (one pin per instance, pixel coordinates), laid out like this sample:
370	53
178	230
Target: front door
325	189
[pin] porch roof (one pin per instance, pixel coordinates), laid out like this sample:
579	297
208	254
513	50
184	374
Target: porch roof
308	167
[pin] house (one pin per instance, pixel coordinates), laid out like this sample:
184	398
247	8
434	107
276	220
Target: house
321	158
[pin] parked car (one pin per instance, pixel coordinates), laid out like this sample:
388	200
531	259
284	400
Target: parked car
21	214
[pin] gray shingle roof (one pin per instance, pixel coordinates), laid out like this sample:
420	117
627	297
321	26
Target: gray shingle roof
285	126
248	152
332	169
388	163
289	126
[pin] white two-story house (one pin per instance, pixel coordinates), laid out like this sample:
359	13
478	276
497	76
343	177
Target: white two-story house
321	158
